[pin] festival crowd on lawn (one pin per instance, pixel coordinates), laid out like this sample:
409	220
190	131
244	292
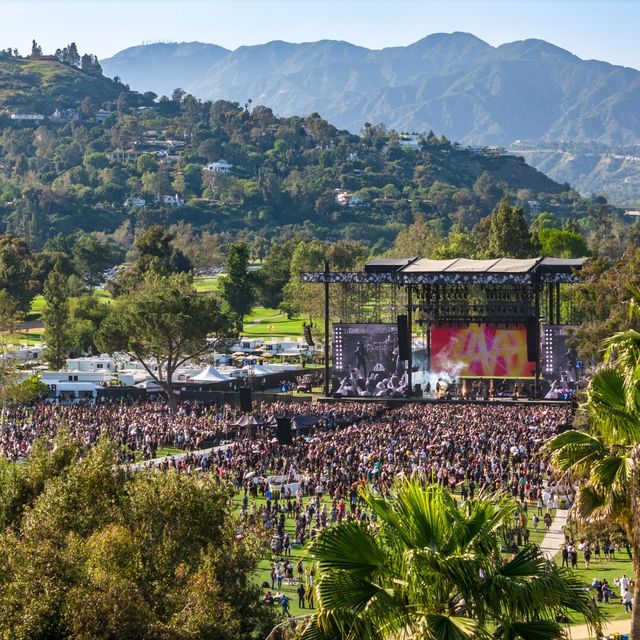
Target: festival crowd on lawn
141	428
471	448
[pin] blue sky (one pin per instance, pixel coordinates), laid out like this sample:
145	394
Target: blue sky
604	30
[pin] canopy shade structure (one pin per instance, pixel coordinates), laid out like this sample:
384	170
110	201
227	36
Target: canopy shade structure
210	374
258	370
457	271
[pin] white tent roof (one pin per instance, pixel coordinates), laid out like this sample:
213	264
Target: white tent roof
258	370
210	374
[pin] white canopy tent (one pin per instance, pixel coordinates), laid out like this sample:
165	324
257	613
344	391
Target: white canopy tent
210	374
258	370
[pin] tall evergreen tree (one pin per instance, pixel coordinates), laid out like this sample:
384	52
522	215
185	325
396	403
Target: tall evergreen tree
238	286
36	50
55	317
509	233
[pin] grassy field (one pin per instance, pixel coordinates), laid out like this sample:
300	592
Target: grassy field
263	322
206	284
600	569
29	337
607	570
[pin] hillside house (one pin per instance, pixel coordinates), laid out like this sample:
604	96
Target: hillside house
411	141
66	115
219	166
124	156
28	117
347	199
102	115
173	201
135	202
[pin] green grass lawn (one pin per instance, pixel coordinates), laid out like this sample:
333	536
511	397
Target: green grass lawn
206	284
31	338
263	322
262	573
609	570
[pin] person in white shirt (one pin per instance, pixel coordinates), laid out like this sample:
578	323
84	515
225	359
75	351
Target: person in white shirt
624	584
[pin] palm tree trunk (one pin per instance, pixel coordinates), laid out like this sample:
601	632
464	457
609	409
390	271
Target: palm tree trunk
635	539
635	614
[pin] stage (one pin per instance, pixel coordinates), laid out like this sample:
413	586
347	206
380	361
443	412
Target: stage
407	325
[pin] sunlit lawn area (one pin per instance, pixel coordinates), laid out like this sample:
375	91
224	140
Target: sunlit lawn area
29	337
205	284
264	322
609	570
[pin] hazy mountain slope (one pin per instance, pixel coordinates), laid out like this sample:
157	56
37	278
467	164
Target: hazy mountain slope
161	67
452	83
617	174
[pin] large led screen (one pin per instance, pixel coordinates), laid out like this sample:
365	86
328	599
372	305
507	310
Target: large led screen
366	361
481	351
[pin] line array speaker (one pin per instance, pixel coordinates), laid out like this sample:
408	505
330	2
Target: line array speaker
403	338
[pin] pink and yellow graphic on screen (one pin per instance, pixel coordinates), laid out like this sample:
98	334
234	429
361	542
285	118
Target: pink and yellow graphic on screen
481	350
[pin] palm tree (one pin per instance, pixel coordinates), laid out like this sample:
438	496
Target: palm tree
434	570
605	461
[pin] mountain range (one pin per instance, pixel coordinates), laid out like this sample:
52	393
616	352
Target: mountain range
454	84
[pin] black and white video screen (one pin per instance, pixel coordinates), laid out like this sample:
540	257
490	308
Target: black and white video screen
366	361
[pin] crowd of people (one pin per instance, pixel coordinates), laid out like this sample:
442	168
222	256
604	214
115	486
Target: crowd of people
143	428
469	447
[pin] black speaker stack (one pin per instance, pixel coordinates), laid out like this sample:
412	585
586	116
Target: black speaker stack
245	399
283	430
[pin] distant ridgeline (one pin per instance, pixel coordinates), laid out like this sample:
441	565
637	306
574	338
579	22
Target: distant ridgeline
81	152
453	83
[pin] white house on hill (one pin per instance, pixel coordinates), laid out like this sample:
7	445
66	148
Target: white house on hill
219	166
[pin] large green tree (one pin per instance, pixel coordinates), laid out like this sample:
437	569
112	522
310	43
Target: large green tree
602	299
237	287
605	460
92	552
162	324
432	569
509	234
17	270
274	273
55	317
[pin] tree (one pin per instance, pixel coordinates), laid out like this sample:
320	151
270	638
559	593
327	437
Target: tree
605	460
156	252
434	570
36	50
55	317
602	298
509	235
275	273
237	287
418	240
92	257
90	552
9	318
86	313
162	324
16	271
562	244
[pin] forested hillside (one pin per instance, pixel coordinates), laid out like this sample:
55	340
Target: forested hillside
117	162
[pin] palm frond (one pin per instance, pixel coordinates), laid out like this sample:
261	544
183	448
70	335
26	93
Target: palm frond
609	406
349	546
532	630
575	451
612	472
443	627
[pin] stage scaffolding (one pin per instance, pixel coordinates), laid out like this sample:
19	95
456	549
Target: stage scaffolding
503	291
